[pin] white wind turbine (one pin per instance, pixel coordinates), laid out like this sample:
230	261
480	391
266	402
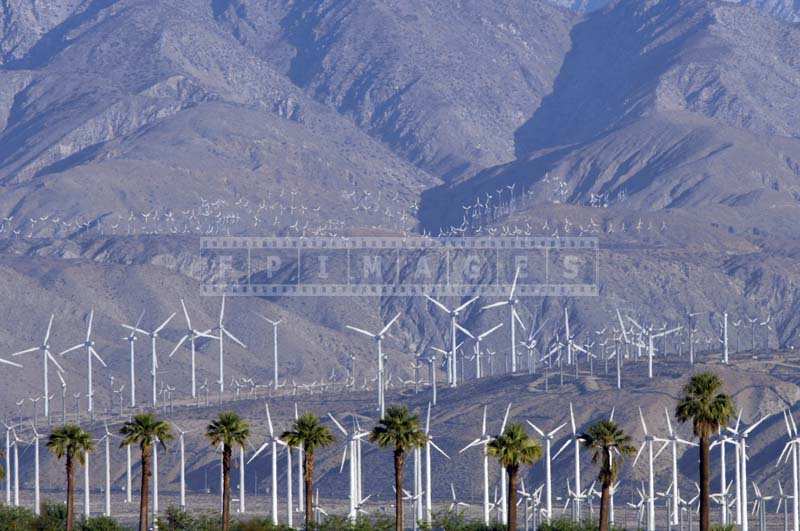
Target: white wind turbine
673	441
131	339
8	463
740	436
274	350
548	461
760	507
511	302
478	339
576	441
36	501
452	365
46	355
90	353
107	439
191	334
793	446
353	449
651	337
86	504
430	359
379	340
651	495
428	480
222	333
182	449
724	487
153	335
483	440
271	441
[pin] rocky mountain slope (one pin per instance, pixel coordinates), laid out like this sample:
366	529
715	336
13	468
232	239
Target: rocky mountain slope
128	130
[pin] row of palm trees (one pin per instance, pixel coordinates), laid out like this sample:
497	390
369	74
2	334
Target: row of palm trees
703	403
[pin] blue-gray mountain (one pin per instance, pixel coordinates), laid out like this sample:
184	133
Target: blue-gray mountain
788	10
130	128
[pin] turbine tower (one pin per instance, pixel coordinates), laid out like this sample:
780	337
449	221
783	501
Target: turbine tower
379	340
514	318
88	343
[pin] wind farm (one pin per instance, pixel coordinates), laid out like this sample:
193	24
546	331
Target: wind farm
418	264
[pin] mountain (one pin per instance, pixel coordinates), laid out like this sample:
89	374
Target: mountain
131	129
788	10
669	113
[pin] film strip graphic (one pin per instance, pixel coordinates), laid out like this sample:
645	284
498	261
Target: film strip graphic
401	266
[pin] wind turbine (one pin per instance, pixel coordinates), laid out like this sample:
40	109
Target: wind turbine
274	350
478	339
36	503
222	333
90	353
153	335
651	495
760	507
430	359
131	339
428	480
107	439
576	440
548	442
483	441
741	438
272	441
673	441
379	340
452	365
182	448
191	334
513	316
44	348
353	438
793	446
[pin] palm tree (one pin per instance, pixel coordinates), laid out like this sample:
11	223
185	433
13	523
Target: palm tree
708	408
308	432
145	429
72	442
514	448
400	430
229	430
603	438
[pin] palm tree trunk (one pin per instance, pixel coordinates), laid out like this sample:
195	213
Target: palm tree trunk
308	486
705	484
605	505
70	493
399	458
144	493
226	487
512	497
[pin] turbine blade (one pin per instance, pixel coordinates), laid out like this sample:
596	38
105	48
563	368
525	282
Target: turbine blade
27	350
360	331
389	324
186	315
52	359
157	330
49	328
437	303
514	284
10	363
233	338
494	305
70	349
178	345
464	306
96	355
89	328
